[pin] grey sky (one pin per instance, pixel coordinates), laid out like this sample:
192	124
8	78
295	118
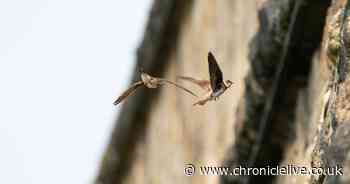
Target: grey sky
62	63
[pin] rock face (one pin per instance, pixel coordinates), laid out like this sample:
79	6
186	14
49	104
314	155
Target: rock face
288	105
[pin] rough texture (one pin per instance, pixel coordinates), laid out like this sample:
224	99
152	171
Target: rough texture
179	133
289	60
280	57
332	146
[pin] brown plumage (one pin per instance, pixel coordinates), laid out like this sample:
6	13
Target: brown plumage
149	82
216	86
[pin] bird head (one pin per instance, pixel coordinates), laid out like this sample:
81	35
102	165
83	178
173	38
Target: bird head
141	70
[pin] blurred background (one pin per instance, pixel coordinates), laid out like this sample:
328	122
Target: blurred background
62	64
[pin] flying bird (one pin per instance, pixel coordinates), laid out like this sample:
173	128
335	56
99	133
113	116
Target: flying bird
149	82
216	86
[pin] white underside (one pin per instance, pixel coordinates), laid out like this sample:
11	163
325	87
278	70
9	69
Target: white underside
218	93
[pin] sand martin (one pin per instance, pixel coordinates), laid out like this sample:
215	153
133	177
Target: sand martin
149	82
216	86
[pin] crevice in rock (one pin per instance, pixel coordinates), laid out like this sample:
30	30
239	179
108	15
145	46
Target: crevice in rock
265	54
332	148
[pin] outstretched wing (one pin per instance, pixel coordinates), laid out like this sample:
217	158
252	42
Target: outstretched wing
201	102
128	92
204	84
216	78
163	81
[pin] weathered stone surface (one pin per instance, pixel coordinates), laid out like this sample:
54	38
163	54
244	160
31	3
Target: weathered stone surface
179	133
174	132
280	58
332	146
305	108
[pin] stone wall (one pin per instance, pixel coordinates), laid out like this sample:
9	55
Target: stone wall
179	133
289	103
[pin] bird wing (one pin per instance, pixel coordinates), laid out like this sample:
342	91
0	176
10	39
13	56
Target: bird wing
202	102
163	81
216	78
204	84
128	92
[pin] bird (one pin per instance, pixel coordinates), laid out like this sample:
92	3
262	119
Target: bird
149	82
215	87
